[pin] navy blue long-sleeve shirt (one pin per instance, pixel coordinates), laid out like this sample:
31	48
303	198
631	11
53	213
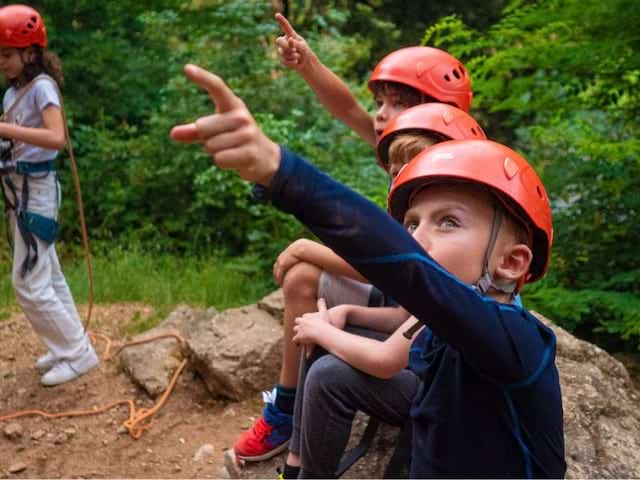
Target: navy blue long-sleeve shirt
490	405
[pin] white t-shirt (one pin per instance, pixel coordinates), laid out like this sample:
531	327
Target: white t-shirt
28	113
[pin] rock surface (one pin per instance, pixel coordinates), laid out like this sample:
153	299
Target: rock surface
601	414
238	353
151	365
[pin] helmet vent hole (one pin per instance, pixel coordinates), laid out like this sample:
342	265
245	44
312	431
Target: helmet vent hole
456	74
462	70
473	130
29	25
447	78
24	32
539	192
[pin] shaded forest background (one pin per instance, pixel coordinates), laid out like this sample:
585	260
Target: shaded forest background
557	80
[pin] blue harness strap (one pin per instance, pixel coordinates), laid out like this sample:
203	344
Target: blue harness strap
30	224
29	168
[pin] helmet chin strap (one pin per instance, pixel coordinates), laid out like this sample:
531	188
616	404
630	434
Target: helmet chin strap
486	283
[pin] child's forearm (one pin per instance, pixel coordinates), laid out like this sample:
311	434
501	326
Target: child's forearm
381	319
51	135
40	137
336	97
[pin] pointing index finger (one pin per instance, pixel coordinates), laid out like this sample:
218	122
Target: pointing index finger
223	97
286	26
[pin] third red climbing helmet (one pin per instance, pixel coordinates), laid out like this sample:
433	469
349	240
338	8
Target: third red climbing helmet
429	70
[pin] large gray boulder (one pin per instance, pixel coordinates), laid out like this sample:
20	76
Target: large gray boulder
238	353
274	305
151	365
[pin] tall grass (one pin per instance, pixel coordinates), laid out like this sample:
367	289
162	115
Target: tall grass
161	280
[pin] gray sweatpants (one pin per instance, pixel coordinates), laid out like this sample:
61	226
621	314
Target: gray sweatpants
330	392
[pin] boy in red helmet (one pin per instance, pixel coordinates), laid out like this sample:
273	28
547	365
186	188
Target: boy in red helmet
477	227
32	132
308	270
421	74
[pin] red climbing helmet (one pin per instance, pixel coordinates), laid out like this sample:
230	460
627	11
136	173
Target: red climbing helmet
493	166
429	70
21	26
439	118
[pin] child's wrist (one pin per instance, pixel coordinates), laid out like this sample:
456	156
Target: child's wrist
311	66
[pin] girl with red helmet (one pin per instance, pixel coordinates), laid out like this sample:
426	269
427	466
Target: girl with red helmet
33	130
476	227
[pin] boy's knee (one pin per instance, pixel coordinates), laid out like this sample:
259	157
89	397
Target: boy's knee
302	279
328	373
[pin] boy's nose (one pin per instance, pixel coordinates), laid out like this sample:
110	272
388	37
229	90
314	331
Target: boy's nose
382	114
423	239
381	120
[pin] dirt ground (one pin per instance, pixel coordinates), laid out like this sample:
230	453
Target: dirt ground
91	447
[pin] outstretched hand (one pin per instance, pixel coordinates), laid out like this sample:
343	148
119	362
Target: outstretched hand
230	135
293	50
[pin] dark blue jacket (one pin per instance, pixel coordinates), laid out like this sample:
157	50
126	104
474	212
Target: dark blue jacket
491	403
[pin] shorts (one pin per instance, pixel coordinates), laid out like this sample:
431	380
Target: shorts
340	290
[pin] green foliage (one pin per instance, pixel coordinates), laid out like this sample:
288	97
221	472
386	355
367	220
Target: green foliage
591	312
558	80
125	89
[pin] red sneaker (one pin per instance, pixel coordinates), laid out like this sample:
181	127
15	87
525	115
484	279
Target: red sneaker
268	436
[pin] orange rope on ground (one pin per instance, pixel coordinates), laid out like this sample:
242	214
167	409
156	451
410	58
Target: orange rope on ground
140	419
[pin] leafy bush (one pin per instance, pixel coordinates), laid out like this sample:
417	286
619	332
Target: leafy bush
126	89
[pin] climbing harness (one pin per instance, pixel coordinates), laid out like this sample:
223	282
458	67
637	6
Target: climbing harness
31	224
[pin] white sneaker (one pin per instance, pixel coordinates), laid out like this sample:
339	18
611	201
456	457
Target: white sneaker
46	362
68	370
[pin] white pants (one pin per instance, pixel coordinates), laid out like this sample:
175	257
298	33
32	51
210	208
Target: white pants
43	292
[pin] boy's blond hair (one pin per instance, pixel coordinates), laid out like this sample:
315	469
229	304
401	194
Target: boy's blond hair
407	145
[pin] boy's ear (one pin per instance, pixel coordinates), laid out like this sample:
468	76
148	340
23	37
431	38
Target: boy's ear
514	264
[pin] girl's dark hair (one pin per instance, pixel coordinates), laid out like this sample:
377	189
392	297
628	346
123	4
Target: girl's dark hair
44	61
